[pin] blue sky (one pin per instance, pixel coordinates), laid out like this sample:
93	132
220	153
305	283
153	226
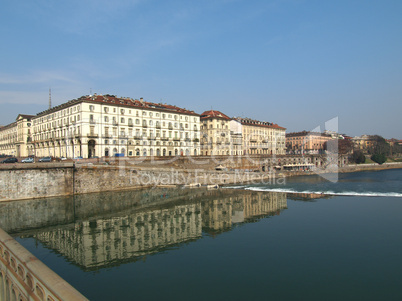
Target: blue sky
296	63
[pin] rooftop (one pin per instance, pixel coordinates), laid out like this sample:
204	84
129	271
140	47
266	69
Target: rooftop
120	101
249	121
212	114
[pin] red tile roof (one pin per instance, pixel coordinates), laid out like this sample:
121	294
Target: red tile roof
252	122
212	114
121	101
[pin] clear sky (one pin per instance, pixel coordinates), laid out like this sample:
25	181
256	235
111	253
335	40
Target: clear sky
296	63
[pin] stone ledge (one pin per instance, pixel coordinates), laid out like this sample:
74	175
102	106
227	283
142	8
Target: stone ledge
25	166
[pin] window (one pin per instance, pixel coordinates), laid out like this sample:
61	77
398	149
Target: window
106	119
106	109
92	108
122	120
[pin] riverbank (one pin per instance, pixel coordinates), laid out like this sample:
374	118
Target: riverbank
30	181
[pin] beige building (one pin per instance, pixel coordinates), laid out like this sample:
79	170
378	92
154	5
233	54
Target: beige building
15	138
215	130
363	142
222	135
262	138
104	125
306	142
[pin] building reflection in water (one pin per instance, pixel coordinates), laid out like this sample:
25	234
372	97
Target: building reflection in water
110	229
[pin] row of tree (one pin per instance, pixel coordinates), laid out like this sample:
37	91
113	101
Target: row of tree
378	150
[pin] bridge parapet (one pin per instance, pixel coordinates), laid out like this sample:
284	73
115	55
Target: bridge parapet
24	277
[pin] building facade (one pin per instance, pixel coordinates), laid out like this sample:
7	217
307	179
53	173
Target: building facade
262	138
215	129
306	142
15	138
104	125
363	142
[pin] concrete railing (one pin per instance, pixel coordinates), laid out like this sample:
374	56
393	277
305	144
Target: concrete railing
24	277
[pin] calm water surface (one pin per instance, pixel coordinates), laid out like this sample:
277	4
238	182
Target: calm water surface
244	243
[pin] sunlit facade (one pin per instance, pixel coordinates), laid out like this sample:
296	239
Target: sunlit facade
105	125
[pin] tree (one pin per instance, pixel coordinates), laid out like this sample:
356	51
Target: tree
358	157
342	146
379	158
380	146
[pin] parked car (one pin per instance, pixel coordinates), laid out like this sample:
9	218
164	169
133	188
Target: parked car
63	158
28	160
45	159
10	160
78	158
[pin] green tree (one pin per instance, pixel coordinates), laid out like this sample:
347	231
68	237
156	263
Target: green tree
358	157
380	146
379	158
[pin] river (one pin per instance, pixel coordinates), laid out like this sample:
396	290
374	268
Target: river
308	238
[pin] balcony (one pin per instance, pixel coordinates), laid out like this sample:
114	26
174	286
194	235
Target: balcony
92	135
115	123
176	139
137	138
92	121
130	124
158	126
164	139
170	127
144	126
106	136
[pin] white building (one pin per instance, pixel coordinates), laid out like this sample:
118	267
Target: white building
105	125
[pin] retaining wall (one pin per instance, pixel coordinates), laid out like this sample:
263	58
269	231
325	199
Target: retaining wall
24	277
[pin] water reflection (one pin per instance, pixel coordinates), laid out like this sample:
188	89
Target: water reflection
102	230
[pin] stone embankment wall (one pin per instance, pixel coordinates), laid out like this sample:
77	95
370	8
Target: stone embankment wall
27	181
370	167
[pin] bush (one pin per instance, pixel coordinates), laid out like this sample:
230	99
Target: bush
379	158
358	157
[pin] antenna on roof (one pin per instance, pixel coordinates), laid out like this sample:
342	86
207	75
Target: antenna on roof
50	98
90	91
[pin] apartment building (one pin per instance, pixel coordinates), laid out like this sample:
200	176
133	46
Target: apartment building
222	135
15	137
261	137
106	125
215	130
306	142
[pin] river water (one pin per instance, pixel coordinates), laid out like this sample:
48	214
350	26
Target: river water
305	239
